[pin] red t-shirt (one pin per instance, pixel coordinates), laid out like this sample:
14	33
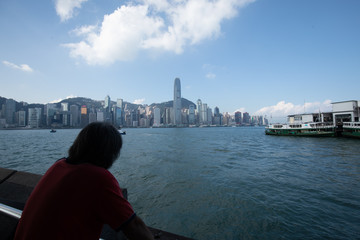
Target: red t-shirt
73	202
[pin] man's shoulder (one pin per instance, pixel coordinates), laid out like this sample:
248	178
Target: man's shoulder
84	169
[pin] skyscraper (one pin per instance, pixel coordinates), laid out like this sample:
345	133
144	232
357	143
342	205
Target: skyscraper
64	106
107	104
177	102
34	117
191	114
10	107
119	112
84	120
156	117
74	116
238	118
199	110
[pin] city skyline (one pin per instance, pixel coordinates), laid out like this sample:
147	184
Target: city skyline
263	57
78	112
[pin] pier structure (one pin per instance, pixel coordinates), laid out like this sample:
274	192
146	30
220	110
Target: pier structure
15	189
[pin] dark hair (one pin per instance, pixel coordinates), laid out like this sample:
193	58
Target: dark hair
98	143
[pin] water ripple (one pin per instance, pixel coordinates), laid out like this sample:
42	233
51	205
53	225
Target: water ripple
222	183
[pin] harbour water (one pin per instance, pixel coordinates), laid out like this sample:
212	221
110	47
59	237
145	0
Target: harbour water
222	183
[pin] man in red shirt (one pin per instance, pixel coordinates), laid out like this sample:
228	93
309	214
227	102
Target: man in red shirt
78	195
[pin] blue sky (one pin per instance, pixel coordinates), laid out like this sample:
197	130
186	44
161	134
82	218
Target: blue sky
268	57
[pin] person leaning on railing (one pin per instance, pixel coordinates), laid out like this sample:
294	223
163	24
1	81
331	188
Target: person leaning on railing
78	195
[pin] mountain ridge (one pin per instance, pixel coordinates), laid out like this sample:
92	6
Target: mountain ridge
91	103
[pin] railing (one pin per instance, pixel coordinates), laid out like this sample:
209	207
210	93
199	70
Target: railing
315	125
322	125
16	213
352	124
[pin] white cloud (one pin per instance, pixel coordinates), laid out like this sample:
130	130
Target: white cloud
139	101
242	110
22	67
210	75
65	8
282	109
153	24
59	100
84	30
119	37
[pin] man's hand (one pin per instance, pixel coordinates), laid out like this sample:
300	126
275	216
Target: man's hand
137	230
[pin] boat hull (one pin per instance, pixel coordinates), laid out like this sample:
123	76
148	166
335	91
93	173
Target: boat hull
353	133
351	129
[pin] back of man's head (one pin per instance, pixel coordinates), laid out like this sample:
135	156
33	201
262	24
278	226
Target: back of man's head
98	143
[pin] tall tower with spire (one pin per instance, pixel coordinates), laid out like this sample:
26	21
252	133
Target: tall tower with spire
177	102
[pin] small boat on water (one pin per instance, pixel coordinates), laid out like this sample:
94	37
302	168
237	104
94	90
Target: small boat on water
123	133
52	130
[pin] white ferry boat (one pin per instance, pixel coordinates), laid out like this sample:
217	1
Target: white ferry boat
342	121
318	129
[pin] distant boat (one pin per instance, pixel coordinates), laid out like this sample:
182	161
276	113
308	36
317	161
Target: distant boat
123	133
52	130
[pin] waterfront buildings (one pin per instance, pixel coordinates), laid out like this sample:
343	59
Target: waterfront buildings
78	112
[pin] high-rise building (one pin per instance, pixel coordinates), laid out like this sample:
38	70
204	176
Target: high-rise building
199	110
92	117
204	114
74	116
134	118
34	117
216	111
209	116
191	114
21	118
66	118
238	118
50	112
84	120
217	117
100	116
107	104
167	116
10	108
118	117
177	102
119	112
227	119
246	118
156	117
65	106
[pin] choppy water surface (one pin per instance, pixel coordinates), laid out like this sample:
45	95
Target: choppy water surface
222	183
